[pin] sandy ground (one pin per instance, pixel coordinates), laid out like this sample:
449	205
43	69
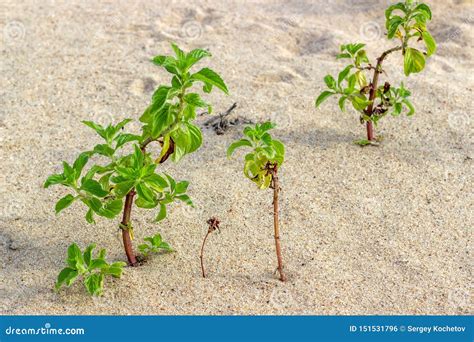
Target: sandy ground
384	230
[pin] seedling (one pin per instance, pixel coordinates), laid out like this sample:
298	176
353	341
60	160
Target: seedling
406	23
213	223
261	167
91	270
155	245
131	178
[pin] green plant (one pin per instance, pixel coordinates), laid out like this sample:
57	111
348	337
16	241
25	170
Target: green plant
155	245
92	270
405	22
128	178
261	167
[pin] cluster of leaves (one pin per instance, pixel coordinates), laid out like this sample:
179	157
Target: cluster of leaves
172	109
407	21
266	153
167	119
92	270
103	188
352	85
155	244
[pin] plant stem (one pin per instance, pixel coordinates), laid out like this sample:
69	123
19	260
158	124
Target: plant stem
127	241
202	253
373	90
276	223
127	211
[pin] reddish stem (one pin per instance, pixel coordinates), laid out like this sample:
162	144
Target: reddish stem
127	211
276	223
202	254
373	90
127	241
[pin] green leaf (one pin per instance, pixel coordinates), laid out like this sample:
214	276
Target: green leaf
195	137
430	43
210	78
54	179
112	208
343	74
397	109
104	150
90	216
167	62
93	187
79	163
145	192
195	56
162	213
123	188
195	100
414	61
392	26
186	199
74	257
87	255
96	127
399	6
360	102
425	9
342	101
64	203
93	203
181	187
156	182
98	263
240	143
180	55
67	276
343	55
94	284
115	269
322	97
330	82
410	106
363	142
161	121
122	139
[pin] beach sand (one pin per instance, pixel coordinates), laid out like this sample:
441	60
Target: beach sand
378	230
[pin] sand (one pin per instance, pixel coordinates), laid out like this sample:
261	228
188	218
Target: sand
379	230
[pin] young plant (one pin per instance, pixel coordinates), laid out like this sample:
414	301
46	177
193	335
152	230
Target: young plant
156	244
213	223
91	269
128	178
261	167
405	23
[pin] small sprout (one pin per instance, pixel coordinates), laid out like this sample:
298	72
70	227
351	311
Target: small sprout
406	23
155	245
261	167
213	223
92	270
